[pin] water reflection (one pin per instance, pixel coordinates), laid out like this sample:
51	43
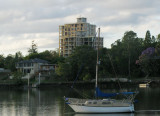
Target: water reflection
32	102
123	114
49	102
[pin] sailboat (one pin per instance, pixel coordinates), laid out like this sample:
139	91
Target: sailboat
104	105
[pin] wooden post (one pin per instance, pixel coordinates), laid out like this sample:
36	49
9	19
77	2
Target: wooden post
39	78
28	79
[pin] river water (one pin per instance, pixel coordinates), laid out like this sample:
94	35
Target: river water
48	101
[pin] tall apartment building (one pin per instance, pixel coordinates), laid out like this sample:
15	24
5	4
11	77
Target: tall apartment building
77	34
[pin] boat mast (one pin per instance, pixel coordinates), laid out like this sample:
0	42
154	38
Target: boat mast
97	58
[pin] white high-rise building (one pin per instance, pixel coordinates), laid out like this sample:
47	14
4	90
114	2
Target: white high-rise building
77	34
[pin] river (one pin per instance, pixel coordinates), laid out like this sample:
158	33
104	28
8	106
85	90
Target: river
48	101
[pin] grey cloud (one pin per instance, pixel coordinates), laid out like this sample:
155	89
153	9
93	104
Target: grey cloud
51	45
132	19
29	27
19	17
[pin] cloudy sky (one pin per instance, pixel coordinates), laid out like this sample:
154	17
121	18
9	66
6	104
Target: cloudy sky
22	21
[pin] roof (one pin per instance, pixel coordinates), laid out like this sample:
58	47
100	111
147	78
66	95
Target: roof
36	60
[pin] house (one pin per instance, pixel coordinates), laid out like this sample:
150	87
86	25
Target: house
31	66
47	68
35	66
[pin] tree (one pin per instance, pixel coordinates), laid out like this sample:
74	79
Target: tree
2	61
10	62
51	56
129	39
124	54
32	56
17	76
18	56
149	61
158	42
83	58
105	67
64	71
153	39
147	41
158	38
33	48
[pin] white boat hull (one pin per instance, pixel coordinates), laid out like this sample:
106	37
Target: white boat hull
93	109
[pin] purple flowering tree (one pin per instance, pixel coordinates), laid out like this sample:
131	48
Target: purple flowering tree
146	61
149	51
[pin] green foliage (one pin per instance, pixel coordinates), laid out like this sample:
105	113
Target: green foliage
149	61
18	56
87	77
122	61
82	62
51	56
83	59
119	60
124	53
4	75
105	68
33	48
148	40
17	76
64	71
153	39
158	38
10	62
32	56
2	61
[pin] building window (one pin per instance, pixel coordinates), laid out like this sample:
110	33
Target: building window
89	102
94	102
106	103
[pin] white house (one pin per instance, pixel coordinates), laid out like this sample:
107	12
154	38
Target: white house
31	66
35	66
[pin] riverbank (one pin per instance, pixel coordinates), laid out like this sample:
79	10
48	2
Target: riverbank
101	84
154	82
80	84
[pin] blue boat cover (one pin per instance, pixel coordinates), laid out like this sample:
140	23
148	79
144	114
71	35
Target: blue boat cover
101	94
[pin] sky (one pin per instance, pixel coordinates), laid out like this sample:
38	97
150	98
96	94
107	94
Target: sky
22	21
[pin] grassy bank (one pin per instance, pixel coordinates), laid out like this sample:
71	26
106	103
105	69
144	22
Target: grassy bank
154	82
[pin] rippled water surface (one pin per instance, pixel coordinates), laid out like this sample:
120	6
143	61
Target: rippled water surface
49	102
